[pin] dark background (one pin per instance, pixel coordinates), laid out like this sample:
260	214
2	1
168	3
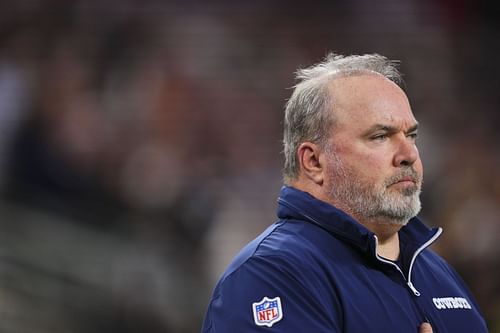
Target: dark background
140	144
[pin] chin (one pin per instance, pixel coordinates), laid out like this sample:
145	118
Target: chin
394	221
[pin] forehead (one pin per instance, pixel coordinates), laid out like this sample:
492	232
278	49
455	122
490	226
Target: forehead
364	100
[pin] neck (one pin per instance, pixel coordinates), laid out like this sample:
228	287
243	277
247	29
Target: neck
388	238
386	230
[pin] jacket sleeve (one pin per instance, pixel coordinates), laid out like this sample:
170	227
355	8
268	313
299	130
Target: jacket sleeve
306	303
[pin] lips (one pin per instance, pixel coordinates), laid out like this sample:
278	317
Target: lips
406	179
410	177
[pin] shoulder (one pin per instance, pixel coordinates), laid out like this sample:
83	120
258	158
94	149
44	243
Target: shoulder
274	266
436	262
287	244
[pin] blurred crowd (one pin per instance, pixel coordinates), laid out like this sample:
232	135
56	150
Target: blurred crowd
140	144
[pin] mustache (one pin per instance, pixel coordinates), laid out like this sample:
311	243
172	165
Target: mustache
405	174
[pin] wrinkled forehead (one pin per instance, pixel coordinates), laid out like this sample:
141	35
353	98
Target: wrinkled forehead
359	78
364	98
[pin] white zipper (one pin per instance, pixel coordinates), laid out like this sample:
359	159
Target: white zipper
417	252
412	287
420	249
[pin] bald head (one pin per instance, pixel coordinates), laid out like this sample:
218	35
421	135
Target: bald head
308	115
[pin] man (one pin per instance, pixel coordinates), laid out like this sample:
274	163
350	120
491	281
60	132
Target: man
347	253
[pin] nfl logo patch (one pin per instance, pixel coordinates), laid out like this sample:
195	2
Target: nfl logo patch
267	312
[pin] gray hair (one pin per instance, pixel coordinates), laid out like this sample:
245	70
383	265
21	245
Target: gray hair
307	114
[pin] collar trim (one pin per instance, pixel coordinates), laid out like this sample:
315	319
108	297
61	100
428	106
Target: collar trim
414	237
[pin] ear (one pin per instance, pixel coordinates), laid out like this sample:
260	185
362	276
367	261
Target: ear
311	160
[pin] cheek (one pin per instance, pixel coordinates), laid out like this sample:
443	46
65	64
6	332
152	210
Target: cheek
377	169
370	168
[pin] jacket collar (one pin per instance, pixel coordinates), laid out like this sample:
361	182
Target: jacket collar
296	204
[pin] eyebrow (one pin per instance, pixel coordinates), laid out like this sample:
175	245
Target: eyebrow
389	129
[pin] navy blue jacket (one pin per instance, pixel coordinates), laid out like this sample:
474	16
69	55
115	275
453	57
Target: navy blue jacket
317	270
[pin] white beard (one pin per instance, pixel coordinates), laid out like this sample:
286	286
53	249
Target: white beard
372	201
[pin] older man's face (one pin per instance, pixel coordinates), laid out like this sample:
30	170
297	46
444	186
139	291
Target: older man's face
374	169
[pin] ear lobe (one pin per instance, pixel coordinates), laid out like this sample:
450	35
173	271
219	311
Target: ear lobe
311	162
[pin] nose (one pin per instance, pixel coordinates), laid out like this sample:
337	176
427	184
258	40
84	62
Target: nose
406	153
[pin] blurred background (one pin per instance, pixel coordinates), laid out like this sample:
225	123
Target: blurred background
140	144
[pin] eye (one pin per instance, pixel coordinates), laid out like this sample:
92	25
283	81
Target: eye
413	136
379	137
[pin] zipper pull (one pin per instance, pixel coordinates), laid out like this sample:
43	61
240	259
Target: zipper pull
413	289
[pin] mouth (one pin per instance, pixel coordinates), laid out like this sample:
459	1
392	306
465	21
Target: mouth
405	185
406	181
